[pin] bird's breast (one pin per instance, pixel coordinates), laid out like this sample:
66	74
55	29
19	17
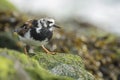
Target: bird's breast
36	39
33	42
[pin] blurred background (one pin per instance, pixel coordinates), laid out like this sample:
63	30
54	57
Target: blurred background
102	13
90	29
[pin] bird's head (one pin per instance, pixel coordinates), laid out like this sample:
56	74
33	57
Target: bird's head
47	23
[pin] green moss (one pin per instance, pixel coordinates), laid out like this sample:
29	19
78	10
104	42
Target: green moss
6	5
42	66
49	61
15	65
6	68
64	65
41	73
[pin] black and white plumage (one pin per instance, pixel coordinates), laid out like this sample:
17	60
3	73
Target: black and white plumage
37	32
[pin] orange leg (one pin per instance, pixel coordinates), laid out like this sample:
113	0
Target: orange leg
25	50
47	51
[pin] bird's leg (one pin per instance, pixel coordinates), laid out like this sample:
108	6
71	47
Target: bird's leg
47	51
26	49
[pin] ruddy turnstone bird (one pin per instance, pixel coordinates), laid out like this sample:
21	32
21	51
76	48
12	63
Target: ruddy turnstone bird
36	33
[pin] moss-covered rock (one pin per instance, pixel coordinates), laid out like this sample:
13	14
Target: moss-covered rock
64	65
6	68
15	65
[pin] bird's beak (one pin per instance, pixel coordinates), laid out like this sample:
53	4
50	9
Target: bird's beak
56	26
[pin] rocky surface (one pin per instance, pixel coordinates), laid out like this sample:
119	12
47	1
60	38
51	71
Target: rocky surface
16	65
64	65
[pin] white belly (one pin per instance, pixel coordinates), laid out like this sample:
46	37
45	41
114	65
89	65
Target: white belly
33	42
